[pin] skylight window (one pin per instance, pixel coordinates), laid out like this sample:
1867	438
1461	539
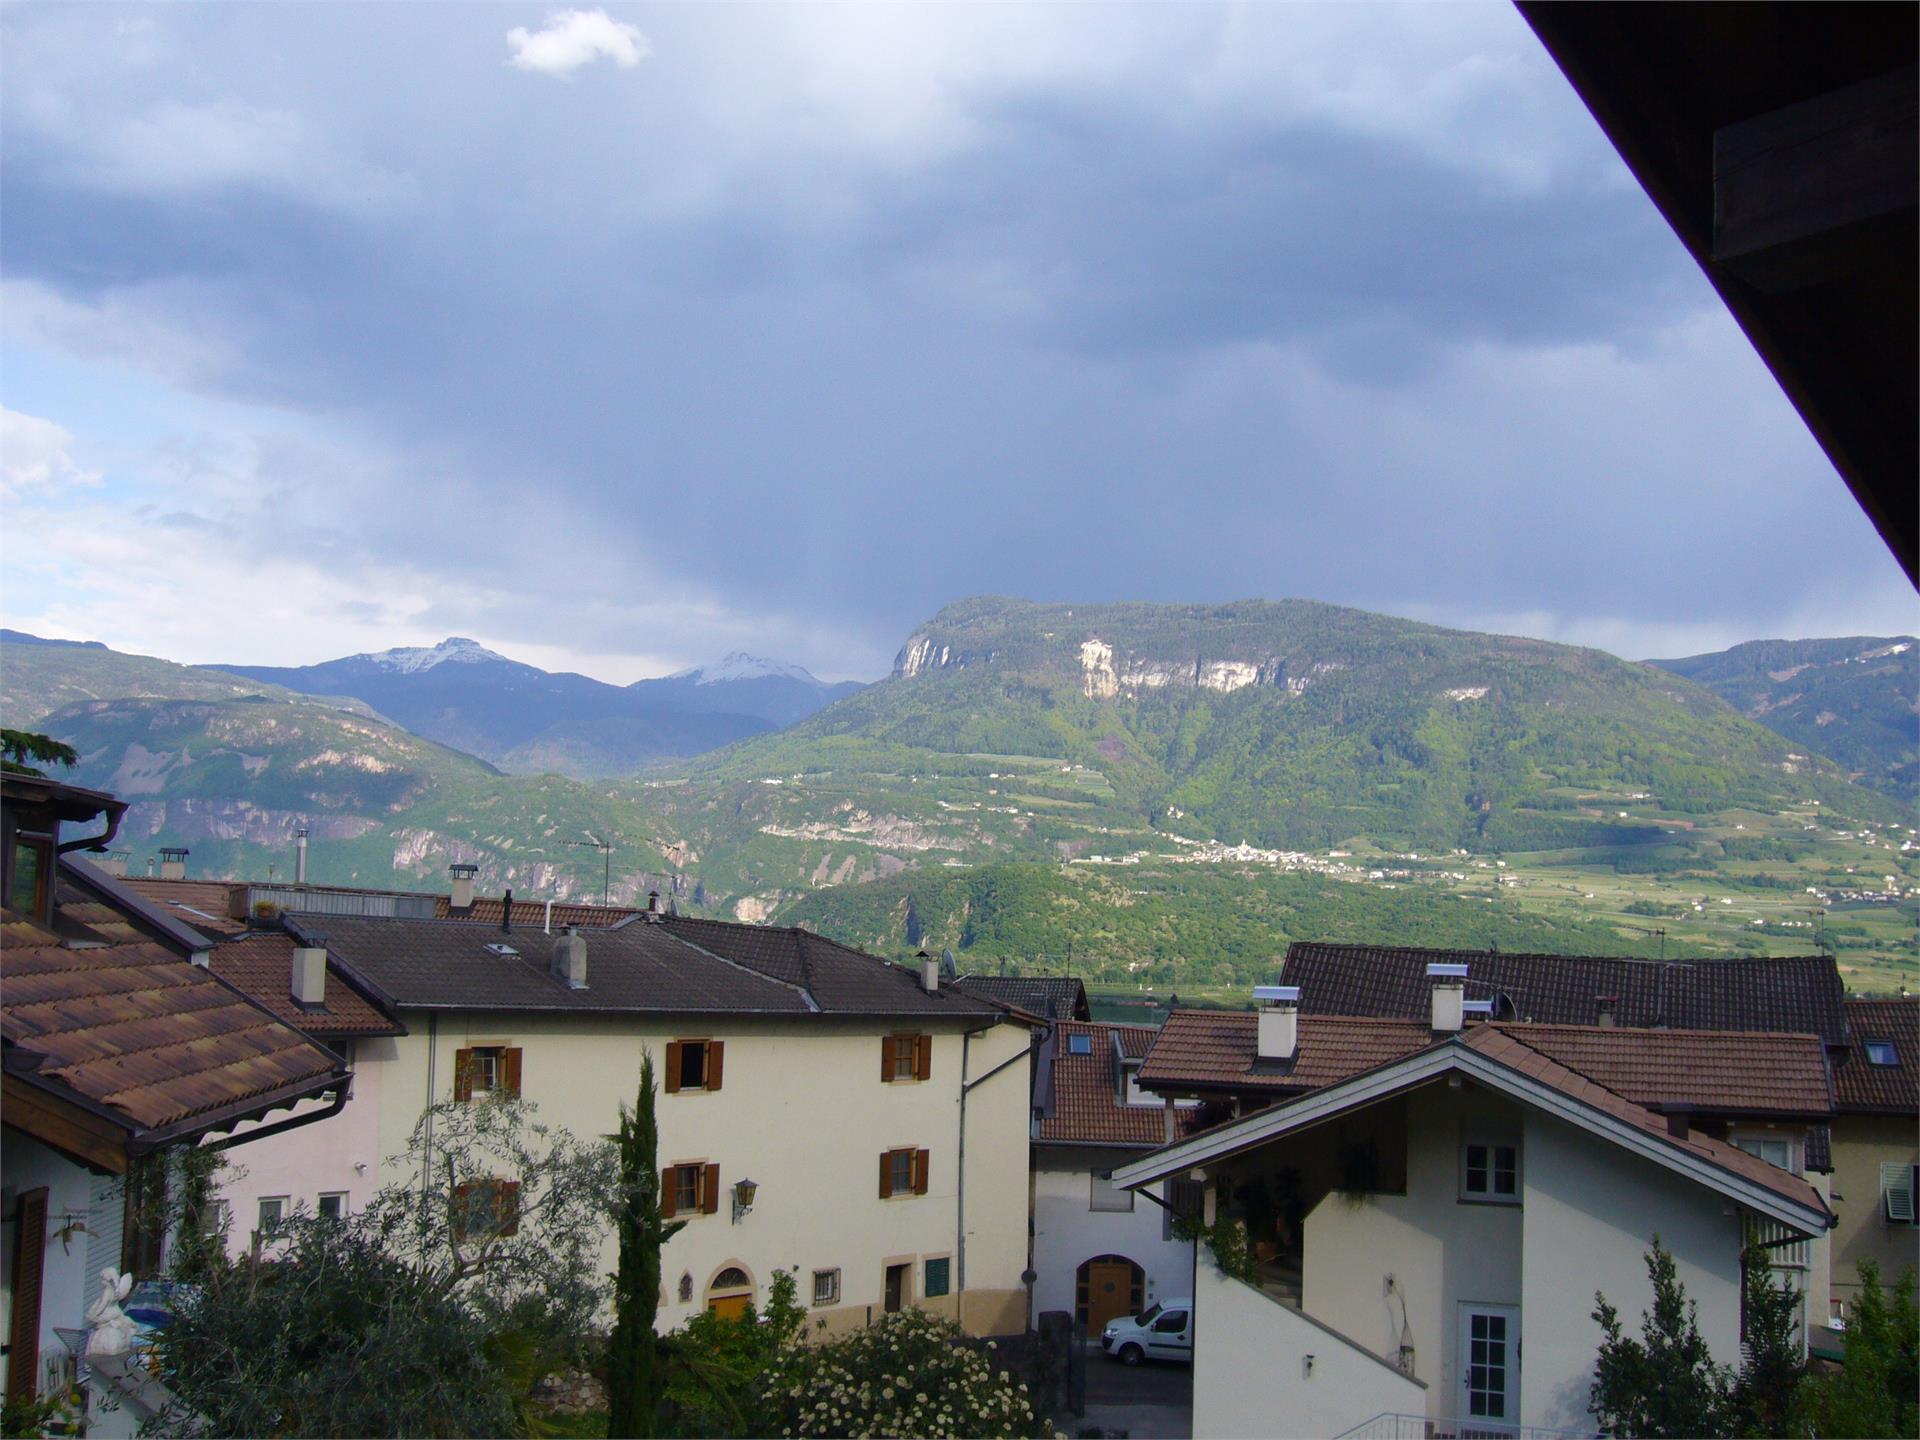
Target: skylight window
1079	1044
1881	1052
501	948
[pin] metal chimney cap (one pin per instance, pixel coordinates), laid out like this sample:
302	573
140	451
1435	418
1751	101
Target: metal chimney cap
1446	972
463	869
1277	994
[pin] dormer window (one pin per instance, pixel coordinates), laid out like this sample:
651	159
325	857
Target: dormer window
1881	1052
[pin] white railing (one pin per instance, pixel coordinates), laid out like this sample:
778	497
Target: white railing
1425	1427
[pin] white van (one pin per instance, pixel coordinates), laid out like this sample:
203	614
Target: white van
1160	1332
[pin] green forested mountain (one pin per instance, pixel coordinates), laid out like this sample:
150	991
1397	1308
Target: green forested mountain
1855	700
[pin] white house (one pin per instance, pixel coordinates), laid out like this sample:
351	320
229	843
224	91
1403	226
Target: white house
1461	1202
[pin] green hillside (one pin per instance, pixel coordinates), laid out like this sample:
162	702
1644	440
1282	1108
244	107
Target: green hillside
1854	700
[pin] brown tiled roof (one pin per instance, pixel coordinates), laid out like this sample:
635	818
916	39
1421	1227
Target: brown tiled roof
139	1033
1086	1105
488	911
203	904
1135	1040
1860	1085
261	966
1042	995
1716	1071
1798	994
1500	1043
1216	1049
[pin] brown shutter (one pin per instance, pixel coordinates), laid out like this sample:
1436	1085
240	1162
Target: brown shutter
710	1190
922	1057
29	1263
508	1198
886	1058
715	1049
462	1208
673	1067
510	1070
886	1174
920	1172
463	1074
669	1190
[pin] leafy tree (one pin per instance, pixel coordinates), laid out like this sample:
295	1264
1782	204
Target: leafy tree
1666	1383
716	1368
1772	1355
909	1373
1874	1392
632	1391
17	747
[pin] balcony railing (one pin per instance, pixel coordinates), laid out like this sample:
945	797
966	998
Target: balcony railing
1426	1427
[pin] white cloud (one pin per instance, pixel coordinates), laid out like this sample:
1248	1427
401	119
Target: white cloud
34	459
572	38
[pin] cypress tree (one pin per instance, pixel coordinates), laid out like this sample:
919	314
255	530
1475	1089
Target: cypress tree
632	1391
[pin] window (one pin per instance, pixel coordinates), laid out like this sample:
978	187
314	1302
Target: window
903	1172
1774	1152
486	1071
937	1273
690	1188
1898	1181
215	1218
1490	1171
1188	1197
1881	1052
486	1209
1105	1195
826	1287
1080	1044
26	888
1171	1322
906	1057
694	1065
332	1207
273	1214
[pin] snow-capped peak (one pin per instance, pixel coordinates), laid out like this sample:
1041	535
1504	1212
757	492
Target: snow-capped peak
455	649
742	666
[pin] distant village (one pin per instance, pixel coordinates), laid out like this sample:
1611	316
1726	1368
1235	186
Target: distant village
1341	1209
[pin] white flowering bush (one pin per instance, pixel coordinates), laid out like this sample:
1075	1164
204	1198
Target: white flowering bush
909	1374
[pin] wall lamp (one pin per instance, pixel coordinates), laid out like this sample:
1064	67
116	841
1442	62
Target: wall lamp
744	1192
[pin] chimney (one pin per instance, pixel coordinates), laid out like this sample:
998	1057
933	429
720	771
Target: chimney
570	958
653	902
929	974
112	862
1279	1021
310	976
462	896
1678	1114
1606	1005
300	856
506	912
173	862
1449	984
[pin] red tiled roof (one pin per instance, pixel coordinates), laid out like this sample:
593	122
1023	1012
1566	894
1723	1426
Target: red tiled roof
203	904
534	912
1500	1043
144	1033
1086	1105
261	966
1716	1071
1861	1085
1216	1049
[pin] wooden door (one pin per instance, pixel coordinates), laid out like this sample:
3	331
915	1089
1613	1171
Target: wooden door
1109	1292
896	1287
729	1307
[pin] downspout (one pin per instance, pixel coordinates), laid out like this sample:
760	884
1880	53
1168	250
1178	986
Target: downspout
433	1050
960	1189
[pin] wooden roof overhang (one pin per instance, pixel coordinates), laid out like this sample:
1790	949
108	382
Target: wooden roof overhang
1780	142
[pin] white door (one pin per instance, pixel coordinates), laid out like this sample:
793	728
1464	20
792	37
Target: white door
1489	1369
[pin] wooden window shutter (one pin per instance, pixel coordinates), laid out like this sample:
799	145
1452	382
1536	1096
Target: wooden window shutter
669	1190
886	1174
29	1266
510	1070
673	1067
463	1075
920	1172
507	1197
886	1058
710	1190
462	1208
715	1049
922	1057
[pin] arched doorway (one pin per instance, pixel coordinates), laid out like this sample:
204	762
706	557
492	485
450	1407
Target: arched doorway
729	1293
1105	1288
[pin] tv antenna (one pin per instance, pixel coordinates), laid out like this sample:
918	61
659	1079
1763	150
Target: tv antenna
605	847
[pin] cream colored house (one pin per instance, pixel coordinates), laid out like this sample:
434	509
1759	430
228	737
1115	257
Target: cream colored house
1460	1205
1876	1149
879	1117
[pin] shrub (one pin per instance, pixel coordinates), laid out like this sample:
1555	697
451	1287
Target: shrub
1874	1392
1666	1383
910	1373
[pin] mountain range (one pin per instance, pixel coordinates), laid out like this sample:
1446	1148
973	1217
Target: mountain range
530	721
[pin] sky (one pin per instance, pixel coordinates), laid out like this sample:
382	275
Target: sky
619	339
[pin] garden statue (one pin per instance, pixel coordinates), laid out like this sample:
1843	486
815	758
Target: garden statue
110	1331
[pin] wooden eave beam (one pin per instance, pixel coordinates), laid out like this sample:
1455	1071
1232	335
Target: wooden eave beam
83	1137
